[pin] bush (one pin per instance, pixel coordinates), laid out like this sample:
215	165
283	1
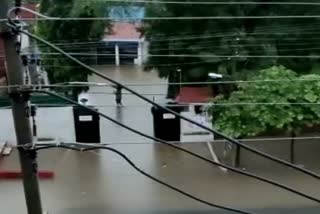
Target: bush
282	100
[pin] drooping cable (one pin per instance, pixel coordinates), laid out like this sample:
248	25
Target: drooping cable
138	169
269	181
206	3
192	18
233	141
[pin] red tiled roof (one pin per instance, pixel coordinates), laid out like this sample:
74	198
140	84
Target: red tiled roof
194	95
123	31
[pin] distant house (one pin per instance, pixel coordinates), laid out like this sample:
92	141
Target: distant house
125	43
194	95
195	98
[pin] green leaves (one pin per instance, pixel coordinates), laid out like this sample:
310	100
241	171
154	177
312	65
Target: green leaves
59	69
258	107
246	37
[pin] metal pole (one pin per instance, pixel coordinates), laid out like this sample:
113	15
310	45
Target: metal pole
292	148
117	52
21	116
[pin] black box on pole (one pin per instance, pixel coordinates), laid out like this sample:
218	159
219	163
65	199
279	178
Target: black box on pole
87	125
166	126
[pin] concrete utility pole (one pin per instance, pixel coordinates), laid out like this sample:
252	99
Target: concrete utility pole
21	114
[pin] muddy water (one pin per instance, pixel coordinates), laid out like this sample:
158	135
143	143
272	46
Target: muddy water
101	182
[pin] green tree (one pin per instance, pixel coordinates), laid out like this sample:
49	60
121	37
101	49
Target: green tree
59	68
236	117
247	37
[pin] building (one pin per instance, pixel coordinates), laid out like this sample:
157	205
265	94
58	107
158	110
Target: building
195	98
124	43
193	95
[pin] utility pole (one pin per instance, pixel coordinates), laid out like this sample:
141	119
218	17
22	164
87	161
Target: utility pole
21	115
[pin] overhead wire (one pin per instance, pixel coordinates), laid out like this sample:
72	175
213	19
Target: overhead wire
179	148
12	25
192	18
191	55
195	46
173	112
138	169
205	3
211	104
270	157
224	35
286	30
181	143
182	104
103	84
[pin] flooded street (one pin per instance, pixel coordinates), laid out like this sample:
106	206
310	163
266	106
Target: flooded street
135	112
101	182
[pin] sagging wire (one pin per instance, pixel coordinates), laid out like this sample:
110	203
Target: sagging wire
187	55
86	147
266	180
103	84
168	18
222	141
233	141
249	140
206	3
192	18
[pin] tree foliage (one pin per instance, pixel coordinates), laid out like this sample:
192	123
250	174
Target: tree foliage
59	68
244	37
235	116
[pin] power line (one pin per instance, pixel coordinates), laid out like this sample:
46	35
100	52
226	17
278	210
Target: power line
132	164
182	104
249	140
103	84
192	18
259	139
265	31
203	48
185	18
189	55
233	3
181	149
248	148
195	46
301	31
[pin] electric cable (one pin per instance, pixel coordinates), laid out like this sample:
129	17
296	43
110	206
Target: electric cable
206	3
154	18
188	55
138	169
253	150
101	84
269	181
120	19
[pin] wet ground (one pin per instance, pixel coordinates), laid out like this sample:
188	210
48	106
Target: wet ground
134	112
101	182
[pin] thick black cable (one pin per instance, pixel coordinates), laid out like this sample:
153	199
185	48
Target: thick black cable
131	163
233	141
266	180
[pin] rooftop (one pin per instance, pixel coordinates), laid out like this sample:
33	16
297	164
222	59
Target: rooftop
124	31
194	95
